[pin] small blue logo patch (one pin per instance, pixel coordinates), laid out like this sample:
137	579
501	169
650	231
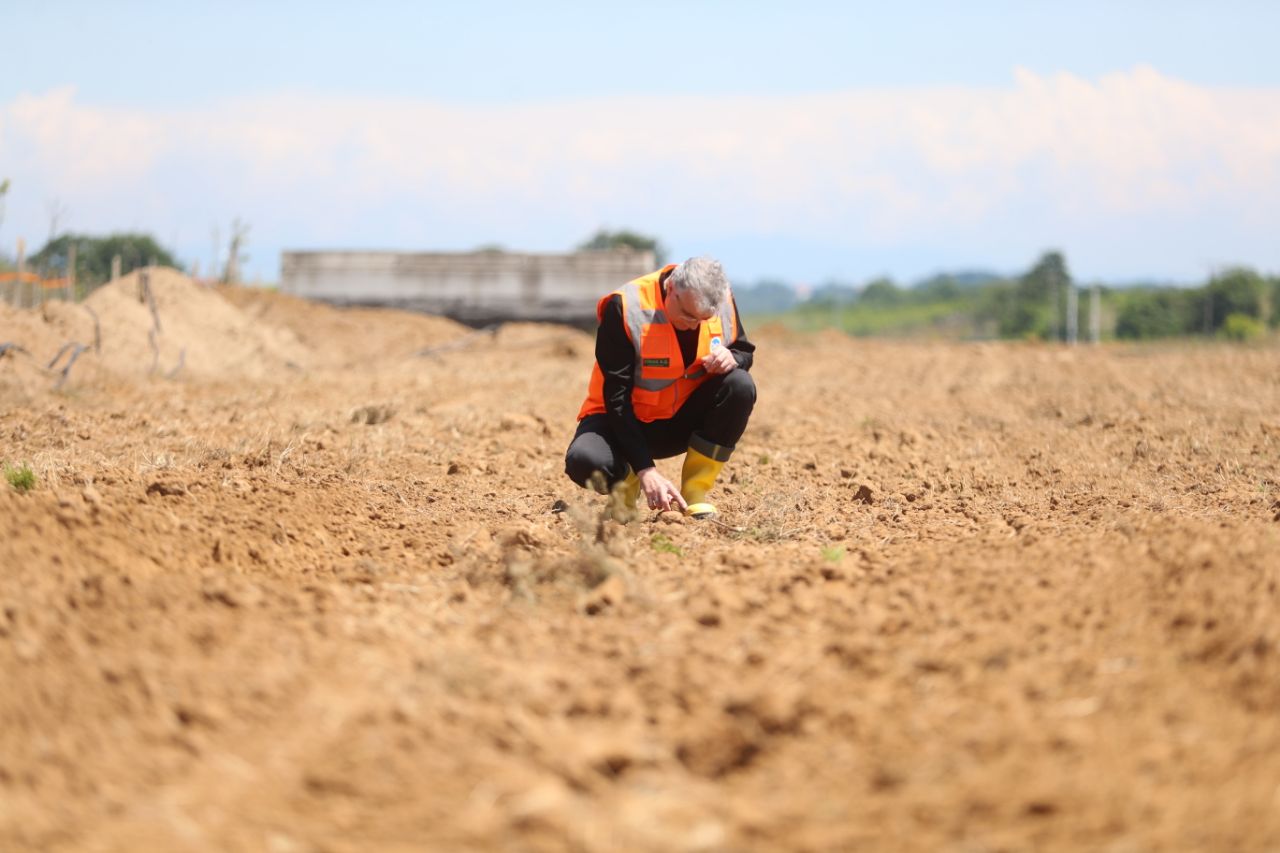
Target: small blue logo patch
715	342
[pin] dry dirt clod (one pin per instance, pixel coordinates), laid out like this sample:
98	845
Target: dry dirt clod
611	593
373	415
525	536
515	421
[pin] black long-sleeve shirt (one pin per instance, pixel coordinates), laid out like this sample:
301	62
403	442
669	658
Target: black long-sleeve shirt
616	356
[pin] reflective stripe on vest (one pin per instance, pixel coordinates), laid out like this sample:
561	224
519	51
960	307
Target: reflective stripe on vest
636	317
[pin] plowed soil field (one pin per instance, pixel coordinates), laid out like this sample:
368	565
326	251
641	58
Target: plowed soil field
286	582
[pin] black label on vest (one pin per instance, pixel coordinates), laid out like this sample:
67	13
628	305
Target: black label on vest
657	362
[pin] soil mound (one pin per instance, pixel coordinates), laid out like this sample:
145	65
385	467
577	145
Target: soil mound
41	331
33	340
185	328
345	337
545	338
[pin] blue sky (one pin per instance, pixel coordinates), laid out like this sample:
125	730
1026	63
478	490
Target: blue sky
800	140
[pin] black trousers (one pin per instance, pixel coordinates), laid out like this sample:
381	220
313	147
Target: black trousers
715	414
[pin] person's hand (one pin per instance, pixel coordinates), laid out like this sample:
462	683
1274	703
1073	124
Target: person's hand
719	360
659	491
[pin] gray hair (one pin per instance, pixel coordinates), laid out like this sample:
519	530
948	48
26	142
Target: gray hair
705	279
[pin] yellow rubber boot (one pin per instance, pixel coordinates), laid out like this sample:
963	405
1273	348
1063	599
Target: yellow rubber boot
631	490
623	498
696	479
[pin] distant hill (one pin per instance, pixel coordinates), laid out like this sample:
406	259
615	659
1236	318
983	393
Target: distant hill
774	296
952	285
969	278
766	297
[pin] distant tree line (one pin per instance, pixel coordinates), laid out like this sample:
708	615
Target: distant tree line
605	239
94	255
1236	303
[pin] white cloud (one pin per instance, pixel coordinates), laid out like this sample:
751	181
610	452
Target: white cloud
889	165
80	145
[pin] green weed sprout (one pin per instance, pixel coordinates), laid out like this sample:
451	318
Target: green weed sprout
21	478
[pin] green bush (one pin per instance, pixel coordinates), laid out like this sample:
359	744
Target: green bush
21	478
1163	313
1238	290
1242	327
94	255
605	239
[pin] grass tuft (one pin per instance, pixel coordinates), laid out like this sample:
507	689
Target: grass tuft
21	477
664	545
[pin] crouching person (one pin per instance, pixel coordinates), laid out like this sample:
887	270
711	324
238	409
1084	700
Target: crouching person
671	377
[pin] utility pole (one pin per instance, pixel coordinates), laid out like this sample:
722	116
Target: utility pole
1073	313
1095	314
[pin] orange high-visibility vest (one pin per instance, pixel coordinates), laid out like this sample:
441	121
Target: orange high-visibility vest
661	382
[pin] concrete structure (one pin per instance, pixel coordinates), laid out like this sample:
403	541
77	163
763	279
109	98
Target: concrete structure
474	287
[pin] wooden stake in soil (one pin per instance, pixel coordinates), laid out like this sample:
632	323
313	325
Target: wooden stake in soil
19	285
97	328
71	273
75	349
